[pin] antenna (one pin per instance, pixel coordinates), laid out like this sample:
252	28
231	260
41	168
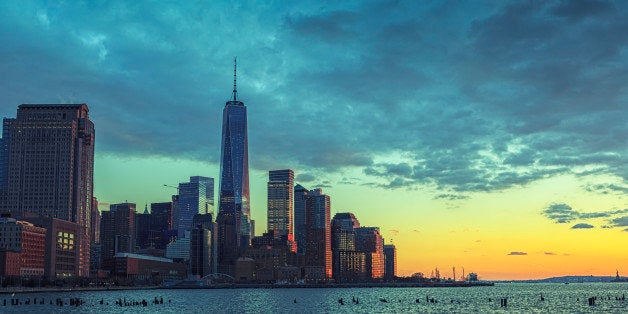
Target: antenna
235	89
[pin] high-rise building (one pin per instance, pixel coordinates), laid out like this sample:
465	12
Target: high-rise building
234	215
4	158
48	156
202	245
369	241
161	223
117	232
390	257
281	201
142	229
318	236
94	226
300	231
195	197
347	263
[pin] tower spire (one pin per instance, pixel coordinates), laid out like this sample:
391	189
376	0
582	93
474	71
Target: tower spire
235	89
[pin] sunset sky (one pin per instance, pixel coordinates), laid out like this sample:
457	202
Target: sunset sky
489	135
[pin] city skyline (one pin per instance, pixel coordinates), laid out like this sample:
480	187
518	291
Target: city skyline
487	136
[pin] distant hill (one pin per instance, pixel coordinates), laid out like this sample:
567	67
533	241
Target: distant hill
574	279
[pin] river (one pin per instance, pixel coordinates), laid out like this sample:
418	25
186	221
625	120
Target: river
522	298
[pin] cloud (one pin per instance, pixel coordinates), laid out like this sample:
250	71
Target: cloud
416	231
563	213
582	226
626	230
517	253
549	253
305	177
607	188
620	221
465	99
394	232
451	197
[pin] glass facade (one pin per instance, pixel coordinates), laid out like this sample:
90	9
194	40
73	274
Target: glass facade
234	223
195	197
280	201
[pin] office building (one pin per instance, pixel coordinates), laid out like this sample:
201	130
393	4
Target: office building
369	241
348	265
47	167
234	216
142	229
62	250
26	239
161	223
195	197
300	196
202	245
117	232
94	225
318	235
390	258
281	201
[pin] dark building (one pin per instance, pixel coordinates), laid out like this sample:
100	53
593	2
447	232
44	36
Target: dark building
47	167
347	264
4	159
161	224
117	232
62	252
202	245
135	266
281	201
390	257
318	235
94	226
300	230
234	216
142	229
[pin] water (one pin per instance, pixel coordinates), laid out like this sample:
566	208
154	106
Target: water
522	298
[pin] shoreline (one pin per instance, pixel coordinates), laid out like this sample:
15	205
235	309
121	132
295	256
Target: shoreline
195	286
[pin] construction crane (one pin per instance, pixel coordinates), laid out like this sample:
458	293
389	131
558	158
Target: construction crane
171	186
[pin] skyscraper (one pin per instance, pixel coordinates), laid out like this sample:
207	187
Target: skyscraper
281	202
369	241
347	263
234	222
117	231
300	196
318	235
195	197
48	157
161	223
390	256
202	245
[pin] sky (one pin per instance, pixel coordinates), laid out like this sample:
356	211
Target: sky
484	135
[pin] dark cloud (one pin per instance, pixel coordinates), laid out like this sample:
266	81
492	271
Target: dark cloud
582	226
563	213
620	221
305	177
549	253
560	213
465	98
517	253
451	197
607	188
